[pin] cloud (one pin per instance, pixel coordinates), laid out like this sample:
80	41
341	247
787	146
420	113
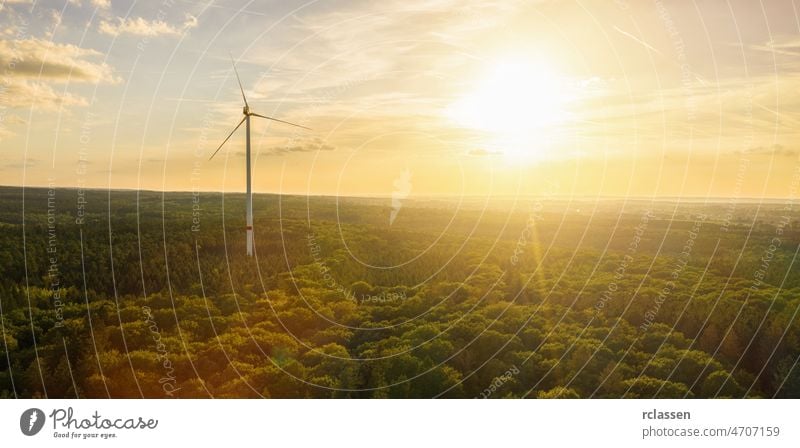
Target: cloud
311	145
139	26
19	164
638	40
190	22
787	47
772	150
33	65
5	133
40	95
380	41
13	119
14	2
5	121
102	4
43	59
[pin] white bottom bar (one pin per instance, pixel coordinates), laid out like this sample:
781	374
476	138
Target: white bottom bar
402	423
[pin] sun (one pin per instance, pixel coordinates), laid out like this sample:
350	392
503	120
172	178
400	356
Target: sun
516	104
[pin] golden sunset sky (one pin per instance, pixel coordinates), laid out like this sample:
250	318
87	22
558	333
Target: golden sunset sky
597	98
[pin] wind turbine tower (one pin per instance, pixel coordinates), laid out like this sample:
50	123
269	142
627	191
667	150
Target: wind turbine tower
249	194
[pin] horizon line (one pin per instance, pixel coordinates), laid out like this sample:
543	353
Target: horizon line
428	196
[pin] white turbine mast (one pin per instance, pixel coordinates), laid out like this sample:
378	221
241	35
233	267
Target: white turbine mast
249	195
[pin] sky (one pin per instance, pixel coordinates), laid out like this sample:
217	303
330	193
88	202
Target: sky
616	98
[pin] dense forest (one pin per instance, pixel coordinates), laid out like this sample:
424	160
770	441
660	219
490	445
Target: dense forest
146	294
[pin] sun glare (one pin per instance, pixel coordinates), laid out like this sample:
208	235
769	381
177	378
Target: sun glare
517	103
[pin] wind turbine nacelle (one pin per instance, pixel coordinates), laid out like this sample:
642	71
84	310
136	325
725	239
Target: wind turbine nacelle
246	110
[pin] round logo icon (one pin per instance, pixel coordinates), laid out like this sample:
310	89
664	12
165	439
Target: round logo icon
31	421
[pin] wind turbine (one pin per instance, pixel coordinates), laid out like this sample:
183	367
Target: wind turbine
246	119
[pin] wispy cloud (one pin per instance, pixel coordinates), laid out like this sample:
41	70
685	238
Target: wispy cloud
787	47
43	96
14	2
18	164
311	145
33	66
44	59
139	26
638	40
772	150
103	4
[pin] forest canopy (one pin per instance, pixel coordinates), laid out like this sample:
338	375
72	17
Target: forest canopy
143	294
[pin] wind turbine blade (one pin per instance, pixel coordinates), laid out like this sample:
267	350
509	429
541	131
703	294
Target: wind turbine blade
239	81
280	121
226	138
